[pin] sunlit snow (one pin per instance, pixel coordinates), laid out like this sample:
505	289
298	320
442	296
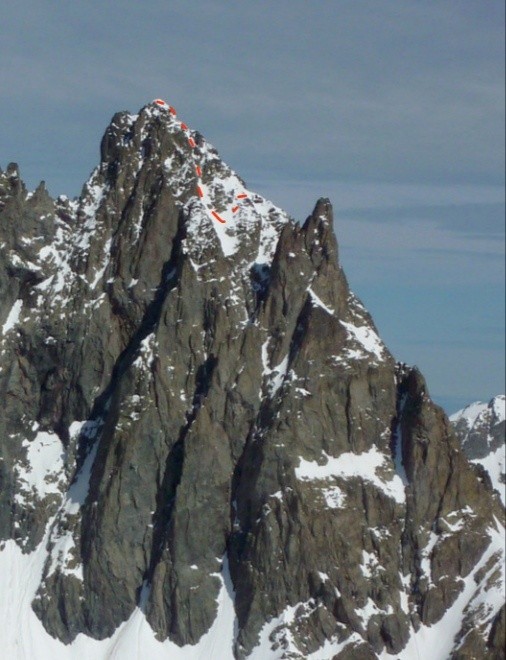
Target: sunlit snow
347	465
13	317
43	467
23	637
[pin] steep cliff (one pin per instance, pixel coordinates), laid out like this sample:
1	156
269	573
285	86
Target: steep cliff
198	411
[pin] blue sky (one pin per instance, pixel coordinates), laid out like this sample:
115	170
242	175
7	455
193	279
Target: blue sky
392	109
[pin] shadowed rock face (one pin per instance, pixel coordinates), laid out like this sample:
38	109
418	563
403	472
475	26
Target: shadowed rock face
188	393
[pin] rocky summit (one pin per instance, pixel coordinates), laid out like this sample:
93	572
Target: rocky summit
206	449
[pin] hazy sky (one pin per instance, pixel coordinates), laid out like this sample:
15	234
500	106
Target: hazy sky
393	109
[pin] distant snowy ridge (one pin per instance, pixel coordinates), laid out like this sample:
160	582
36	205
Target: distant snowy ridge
481	429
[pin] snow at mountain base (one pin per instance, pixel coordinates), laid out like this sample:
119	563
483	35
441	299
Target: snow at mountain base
24	638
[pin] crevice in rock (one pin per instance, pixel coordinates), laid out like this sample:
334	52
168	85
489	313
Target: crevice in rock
174	465
103	417
260	277
166	496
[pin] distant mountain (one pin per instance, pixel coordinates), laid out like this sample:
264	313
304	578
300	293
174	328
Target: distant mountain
206	450
481	428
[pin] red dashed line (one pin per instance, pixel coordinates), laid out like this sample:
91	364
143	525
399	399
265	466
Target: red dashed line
198	169
218	217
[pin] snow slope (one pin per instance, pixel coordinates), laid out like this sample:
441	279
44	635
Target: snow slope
24	638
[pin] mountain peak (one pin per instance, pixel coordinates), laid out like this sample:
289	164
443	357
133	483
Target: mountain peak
205	442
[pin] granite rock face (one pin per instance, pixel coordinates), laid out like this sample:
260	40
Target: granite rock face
188	403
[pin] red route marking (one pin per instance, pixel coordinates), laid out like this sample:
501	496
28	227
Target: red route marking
198	169
218	217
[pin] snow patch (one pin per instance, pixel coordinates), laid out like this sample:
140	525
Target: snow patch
13	317
318	302
367	339
350	465
100	271
334	497
274	376
147	352
44	467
